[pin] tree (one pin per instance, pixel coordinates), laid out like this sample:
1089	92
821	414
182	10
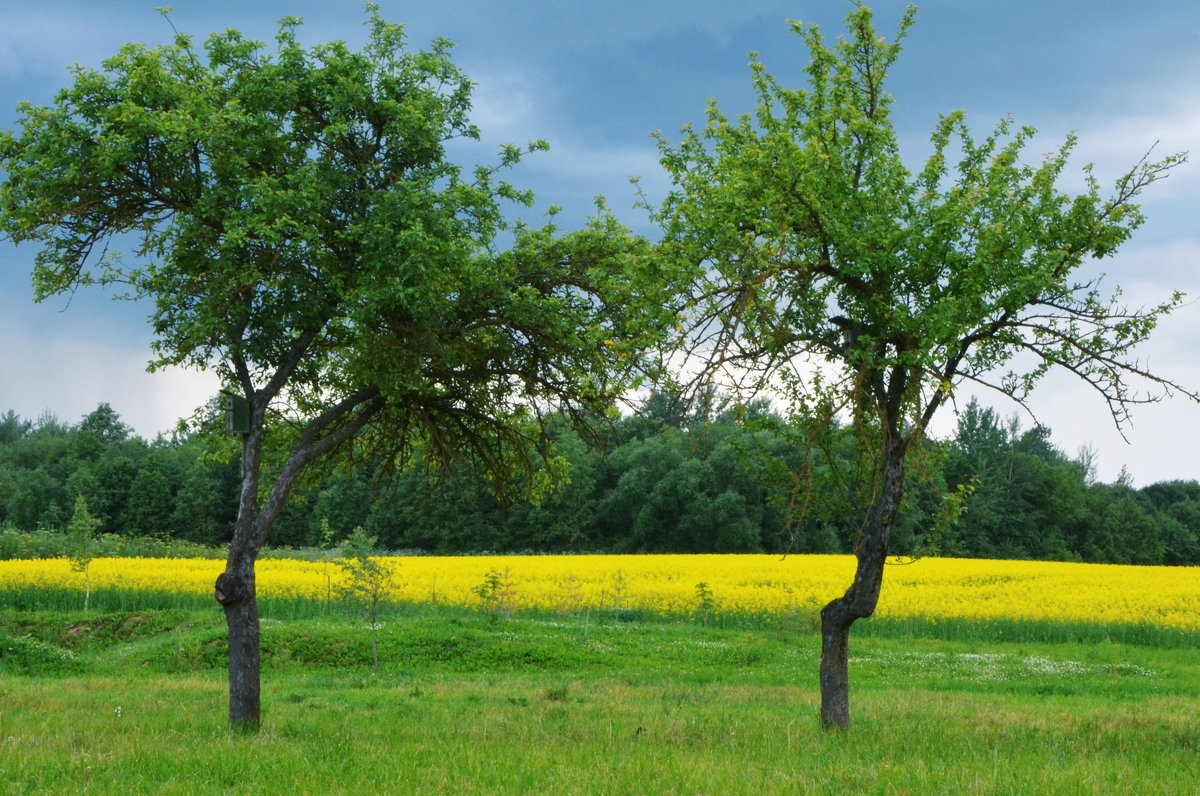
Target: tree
81	533
1177	506
206	503
344	503
151	500
367	580
982	457
37	500
297	224
13	428
106	424
824	268
1122	528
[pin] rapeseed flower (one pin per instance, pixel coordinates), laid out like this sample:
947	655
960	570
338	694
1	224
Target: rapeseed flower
931	589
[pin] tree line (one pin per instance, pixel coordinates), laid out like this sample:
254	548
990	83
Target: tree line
731	480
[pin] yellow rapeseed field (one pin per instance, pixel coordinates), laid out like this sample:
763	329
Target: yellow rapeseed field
929	589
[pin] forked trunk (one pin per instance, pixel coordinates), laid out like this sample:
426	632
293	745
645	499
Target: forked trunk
860	599
235	589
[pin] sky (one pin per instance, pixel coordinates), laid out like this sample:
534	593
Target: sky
596	79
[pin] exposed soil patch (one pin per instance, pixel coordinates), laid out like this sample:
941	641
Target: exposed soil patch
130	625
75	631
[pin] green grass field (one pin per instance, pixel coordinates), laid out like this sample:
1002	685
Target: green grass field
478	703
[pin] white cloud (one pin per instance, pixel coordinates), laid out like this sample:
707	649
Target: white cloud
1115	144
508	107
1156	447
42	39
586	164
70	376
502	105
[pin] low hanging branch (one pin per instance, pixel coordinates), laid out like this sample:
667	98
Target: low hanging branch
303	233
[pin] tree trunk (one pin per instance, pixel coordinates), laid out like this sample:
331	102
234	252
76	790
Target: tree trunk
860	599
835	671
236	594
374	647
235	589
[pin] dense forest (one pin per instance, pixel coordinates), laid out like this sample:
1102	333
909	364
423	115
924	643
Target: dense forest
733	481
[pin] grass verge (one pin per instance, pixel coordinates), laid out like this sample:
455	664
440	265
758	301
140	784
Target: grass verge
473	703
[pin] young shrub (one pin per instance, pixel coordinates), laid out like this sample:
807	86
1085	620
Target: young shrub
81	544
367	580
498	592
327	553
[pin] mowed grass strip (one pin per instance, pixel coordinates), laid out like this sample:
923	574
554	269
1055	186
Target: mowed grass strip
474	703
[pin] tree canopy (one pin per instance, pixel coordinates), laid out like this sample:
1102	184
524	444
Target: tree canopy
825	269
296	222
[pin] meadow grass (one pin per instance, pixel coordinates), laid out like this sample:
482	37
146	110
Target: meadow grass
475	702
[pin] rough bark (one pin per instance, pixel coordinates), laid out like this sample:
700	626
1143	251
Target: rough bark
237	597
835	673
236	592
860	599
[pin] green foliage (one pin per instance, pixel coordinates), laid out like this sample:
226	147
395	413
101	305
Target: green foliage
705	608
81	534
497	592
300	229
27	655
366	576
151	501
826	270
993	490
366	580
